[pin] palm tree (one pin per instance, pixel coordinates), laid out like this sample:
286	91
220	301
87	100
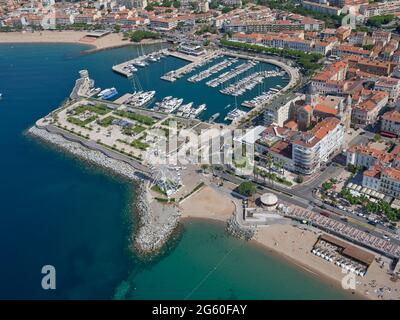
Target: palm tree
281	166
269	165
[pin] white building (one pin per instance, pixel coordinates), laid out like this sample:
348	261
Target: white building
315	147
278	113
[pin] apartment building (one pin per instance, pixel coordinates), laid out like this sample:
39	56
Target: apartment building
390	181
357	38
342	50
280	113
366	106
329	79
163	24
321	8
380	68
390	125
366	156
264	26
389	85
314	147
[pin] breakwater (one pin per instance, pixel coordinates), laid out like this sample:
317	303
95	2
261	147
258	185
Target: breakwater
156	221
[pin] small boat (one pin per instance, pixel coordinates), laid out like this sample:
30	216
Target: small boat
1	96
213	117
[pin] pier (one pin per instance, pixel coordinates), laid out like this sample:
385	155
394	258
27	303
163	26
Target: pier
124	67
173	75
212	70
231	74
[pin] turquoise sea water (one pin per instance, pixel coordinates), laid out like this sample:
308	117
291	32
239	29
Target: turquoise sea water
56	210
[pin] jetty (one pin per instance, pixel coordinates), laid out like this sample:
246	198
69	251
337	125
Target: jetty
212	70
196	61
127	68
231	74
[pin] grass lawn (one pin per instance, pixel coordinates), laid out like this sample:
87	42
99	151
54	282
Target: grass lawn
137	117
139	144
81	123
105	122
100	109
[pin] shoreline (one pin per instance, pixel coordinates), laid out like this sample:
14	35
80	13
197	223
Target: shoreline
315	273
110	41
150	235
163	239
320	276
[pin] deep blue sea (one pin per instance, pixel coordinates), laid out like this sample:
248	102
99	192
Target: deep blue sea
57	210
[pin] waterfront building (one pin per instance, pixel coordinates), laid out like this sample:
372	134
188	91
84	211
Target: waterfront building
280	113
163	24
372	178
314	147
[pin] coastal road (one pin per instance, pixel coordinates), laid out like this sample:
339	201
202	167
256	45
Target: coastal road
299	199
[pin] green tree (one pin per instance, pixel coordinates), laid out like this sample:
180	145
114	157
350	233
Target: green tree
247	188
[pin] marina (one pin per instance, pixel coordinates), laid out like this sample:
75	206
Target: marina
249	82
231	74
180	76
128	68
212	70
197	62
261	99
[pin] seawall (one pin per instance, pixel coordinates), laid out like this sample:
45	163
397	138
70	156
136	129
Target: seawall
156	221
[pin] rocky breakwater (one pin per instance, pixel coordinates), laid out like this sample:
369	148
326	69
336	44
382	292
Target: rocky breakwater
156	221
238	231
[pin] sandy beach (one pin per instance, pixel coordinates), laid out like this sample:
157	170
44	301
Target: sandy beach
294	244
112	40
207	203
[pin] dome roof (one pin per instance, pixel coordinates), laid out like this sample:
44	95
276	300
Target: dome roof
269	199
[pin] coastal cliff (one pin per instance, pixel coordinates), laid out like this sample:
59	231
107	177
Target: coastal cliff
156	221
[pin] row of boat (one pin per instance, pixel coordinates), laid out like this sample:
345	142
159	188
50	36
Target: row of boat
235	114
212	70
241	86
187	111
231	74
262	98
249	82
142	61
170	104
141	98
